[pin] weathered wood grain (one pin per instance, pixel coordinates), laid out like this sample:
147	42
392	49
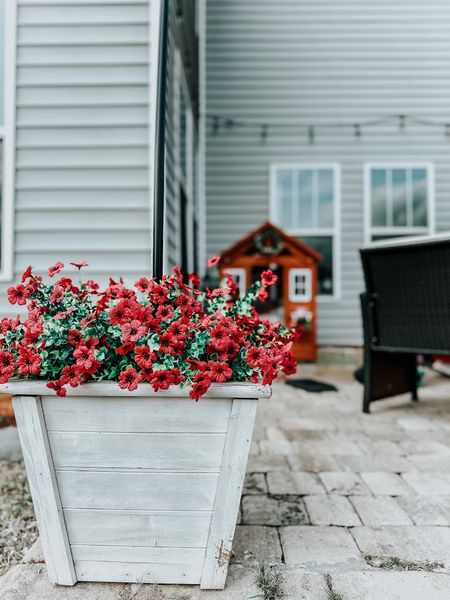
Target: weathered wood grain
228	495
185	529
159	491
185	573
137	414
111	389
135	554
44	489
156	451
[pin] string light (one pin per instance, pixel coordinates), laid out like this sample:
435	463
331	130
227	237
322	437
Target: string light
226	122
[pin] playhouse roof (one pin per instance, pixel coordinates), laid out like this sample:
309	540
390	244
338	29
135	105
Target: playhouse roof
239	247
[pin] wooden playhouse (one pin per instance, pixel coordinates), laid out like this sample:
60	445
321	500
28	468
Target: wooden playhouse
293	299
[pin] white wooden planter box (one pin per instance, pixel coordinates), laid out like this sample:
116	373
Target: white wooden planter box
136	486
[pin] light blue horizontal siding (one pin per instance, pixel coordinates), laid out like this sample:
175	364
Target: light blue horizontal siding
82	136
303	62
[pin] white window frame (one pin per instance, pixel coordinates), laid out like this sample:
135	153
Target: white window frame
187	182
293	274
7	135
242	274
333	232
369	230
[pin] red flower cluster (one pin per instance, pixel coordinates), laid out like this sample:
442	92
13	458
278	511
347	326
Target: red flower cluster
161	332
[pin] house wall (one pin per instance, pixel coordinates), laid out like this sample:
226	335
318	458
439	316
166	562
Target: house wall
83	166
304	62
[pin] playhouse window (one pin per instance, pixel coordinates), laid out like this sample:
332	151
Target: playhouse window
239	279
305	202
399	200
300	285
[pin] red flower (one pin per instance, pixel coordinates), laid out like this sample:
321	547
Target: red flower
86	359
57	294
143	284
27	273
52	271
130	379
168	344
254	356
161	380
220	372
6	366
29	362
79	265
91	285
144	357
262	294
195	279
212	262
131	332
71	375
269	278
200	386
158	294
219	338
125	348
18	294
164	312
57	386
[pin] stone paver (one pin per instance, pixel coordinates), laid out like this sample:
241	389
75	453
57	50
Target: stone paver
313	462
360	464
295	482
275	511
255	543
255	483
386	484
408	543
265	463
429	484
299	585
343	482
331	510
392	585
427	511
430	462
318	547
376	511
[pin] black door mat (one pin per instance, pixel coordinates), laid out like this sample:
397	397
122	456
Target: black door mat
312	385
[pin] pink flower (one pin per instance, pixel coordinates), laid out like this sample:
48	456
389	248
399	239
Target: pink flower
52	271
212	262
269	278
18	294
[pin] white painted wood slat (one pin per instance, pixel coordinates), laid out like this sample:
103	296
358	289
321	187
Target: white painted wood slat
228	494
138	572
184	529
129	490
135	554
151	415
44	489
174	452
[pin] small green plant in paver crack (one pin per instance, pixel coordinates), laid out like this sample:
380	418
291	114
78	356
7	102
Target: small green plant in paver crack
329	589
269	579
399	564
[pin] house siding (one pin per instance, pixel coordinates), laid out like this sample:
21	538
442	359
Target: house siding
83	171
313	63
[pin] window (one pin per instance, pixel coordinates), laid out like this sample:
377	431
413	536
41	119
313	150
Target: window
300	285
398	200
239	279
305	203
7	87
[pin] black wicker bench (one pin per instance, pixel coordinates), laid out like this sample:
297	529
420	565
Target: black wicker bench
405	312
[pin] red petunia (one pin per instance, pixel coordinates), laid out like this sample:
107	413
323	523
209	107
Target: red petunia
129	379
29	362
125	348
268	278
18	294
220	372
52	271
143	284
194	279
71	375
144	357
132	331
27	273
213	260
58	387
6	366
262	294
79	265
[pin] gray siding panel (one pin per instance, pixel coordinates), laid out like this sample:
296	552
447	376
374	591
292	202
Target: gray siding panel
82	146
303	62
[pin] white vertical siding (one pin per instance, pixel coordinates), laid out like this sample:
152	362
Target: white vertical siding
312	63
82	144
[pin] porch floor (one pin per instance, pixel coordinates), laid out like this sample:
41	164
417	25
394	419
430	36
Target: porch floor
328	490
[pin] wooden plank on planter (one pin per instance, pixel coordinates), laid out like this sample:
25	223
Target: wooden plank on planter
131	490
44	489
185	573
186	529
155	451
111	389
228	495
137	414
133	554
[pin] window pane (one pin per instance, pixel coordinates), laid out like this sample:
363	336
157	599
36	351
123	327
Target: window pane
2	59
324	245
183	134
303	214
326	216
284	197
378	197
399	198
419	185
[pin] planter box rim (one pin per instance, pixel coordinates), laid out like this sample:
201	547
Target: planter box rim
29	387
